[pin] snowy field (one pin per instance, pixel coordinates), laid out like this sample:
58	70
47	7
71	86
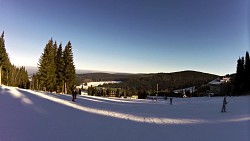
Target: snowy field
26	115
94	84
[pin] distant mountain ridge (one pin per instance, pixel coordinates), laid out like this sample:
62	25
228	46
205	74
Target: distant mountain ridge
171	80
31	70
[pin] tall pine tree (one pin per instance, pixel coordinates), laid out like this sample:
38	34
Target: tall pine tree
2	52
4	63
47	68
242	78
247	72
59	69
239	75
69	68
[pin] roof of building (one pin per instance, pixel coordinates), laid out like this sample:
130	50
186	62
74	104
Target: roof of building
219	81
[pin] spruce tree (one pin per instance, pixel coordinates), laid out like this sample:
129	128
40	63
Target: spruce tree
69	68
242	75
59	69
1	55
55	48
47	68
247	72
239	72
4	63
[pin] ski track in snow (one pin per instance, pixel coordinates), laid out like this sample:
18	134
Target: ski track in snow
152	120
114	114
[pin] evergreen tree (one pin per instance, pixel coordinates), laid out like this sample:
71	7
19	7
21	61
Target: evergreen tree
47	68
59	69
69	68
4	63
247	72
1	55
55	48
239	75
12	75
242	78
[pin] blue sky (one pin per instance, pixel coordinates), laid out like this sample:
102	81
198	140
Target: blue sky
135	36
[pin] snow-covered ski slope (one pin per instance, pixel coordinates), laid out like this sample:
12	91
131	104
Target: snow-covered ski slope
27	115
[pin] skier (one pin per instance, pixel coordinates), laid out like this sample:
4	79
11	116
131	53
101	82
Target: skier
171	100
76	92
224	105
80	92
73	91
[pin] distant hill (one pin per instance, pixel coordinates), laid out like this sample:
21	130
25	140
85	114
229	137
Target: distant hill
31	70
95	77
168	81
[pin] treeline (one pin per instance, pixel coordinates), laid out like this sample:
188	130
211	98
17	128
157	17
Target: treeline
56	69
242	77
11	75
116	92
167	82
142	85
96	77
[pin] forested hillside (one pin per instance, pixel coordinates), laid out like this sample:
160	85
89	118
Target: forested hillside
166	81
95	77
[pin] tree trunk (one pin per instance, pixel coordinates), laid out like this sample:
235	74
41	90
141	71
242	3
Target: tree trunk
37	85
65	87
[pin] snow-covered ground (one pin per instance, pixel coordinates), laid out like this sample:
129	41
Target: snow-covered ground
27	115
94	84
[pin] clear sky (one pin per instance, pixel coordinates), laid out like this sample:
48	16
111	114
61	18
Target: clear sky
135	36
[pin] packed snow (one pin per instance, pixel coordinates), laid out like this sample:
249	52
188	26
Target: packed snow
27	115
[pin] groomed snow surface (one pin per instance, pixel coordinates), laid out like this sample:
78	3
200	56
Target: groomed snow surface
27	115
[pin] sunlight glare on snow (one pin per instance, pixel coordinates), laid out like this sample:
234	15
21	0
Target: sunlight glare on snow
119	115
238	119
16	94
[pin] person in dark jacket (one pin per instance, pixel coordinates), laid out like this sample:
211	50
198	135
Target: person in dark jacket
80	92
224	105
171	100
73	91
76	92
